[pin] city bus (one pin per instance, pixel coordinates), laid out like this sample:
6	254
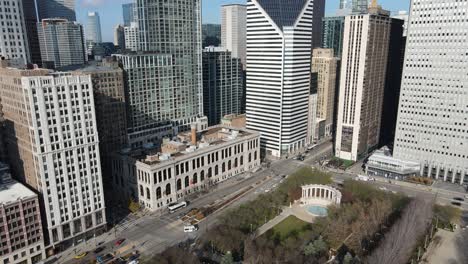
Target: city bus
176	206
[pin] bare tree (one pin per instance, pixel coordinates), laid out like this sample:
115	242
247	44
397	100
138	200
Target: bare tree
399	242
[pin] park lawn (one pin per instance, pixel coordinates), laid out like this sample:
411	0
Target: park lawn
289	226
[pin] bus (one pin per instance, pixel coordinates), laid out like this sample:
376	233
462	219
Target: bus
176	206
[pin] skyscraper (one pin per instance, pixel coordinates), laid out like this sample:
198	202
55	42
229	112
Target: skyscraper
332	34
61	43
30	20
211	35
131	34
325	64
56	9
278	71
175	30
93	28
52	143
432	116
362	83
13	39
128	14
233	30
223	84
119	37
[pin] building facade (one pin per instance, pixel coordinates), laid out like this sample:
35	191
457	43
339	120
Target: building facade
61	43
223	84
325	64
93	28
278	72
52	143
128	14
13	38
362	83
233	30
180	39
211	35
56	9
432	115
332	34
30	21
212	156
382	164
21	236
109	100
119	37
131	34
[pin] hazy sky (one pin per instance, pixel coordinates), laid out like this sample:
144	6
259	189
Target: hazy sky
110	11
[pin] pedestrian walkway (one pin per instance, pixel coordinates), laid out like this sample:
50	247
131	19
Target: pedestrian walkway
295	210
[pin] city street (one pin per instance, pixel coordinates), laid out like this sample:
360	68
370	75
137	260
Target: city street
151	233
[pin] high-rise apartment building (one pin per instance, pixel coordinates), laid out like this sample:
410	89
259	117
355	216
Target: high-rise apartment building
325	64
131	34
278	71
175	30
432	116
21	236
52	143
128	14
61	43
332	34
150	98
13	38
362	83
233	30
119	37
223	84
56	9
30	21
93	28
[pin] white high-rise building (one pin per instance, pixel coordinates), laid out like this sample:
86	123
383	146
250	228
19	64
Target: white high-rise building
93	28
131	34
433	112
13	40
362	82
52	142
279	51
233	30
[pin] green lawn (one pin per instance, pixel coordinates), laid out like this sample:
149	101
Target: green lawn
289	226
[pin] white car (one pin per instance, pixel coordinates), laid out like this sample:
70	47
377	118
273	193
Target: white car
466	196
382	188
190	228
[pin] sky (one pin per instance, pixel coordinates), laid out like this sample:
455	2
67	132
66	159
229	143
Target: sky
110	11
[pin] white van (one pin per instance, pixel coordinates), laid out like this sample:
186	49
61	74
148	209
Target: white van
190	228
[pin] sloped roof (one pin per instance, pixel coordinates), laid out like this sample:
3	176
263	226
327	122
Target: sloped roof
283	12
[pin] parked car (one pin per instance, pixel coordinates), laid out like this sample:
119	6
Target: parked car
459	199
80	256
119	242
99	249
456	203
190	228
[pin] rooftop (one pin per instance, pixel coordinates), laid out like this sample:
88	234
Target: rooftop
14	191
182	145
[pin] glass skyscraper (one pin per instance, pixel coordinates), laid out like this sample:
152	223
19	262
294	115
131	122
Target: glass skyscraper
174	29
332	34
128	13
56	9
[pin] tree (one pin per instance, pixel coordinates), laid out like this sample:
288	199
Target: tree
227	258
316	248
348	258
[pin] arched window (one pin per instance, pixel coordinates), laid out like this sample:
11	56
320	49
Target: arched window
209	173
158	193
202	176
168	189
242	160
148	195
142	193
179	184
195	179
229	165
235	163
223	167
216	170
187	181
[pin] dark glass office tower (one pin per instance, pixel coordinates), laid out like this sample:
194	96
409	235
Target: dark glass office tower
56	9
332	34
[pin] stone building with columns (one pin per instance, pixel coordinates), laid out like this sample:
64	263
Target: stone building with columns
191	162
320	194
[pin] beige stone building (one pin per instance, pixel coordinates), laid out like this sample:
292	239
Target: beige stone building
325	64
52	143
